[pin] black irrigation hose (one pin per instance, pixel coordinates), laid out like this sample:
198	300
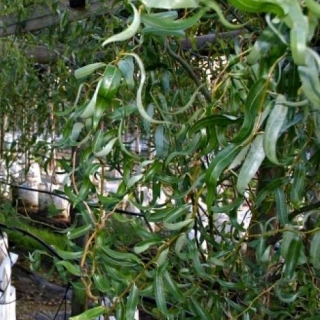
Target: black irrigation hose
55	253
29	234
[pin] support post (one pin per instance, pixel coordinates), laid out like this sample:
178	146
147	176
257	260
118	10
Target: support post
7	291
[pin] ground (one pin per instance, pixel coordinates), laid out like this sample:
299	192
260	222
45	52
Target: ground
40	296
37	294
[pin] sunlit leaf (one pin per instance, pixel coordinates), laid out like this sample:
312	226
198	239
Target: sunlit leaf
251	164
88	69
159	292
171	4
276	120
141	109
90	314
129	32
132	302
126	67
167	26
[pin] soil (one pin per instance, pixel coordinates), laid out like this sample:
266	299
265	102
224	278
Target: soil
42	297
38	297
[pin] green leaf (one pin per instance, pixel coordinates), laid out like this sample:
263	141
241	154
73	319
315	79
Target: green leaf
89	109
219	163
240	157
141	109
262	46
101	282
110	82
106	149
298	186
71	267
167	26
162	256
126	67
172	287
88	70
146	244
174	214
129	32
91	314
259	6
269	189
132	302
171	4
159	292
281	206
178	225
124	256
76	130
315	250
314	7
309	75
161	142
281	290
255	101
288	237
214	5
298	23
276	120
201	312
69	255
251	164
78	232
292	257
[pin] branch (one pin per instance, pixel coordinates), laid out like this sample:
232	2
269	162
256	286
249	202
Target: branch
205	41
304	209
189	70
41	16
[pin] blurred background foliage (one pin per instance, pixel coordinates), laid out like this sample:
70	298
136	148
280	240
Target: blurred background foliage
210	106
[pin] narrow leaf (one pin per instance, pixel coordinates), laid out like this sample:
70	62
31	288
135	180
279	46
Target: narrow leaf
315	250
251	164
171	4
88	70
129	32
219	163
141	109
132	302
159	293
281	205
90	314
276	120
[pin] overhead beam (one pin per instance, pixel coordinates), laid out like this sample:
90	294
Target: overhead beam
41	16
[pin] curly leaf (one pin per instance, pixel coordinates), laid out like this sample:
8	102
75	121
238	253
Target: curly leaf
259	6
141	109
276	120
159	25
219	163
129	32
